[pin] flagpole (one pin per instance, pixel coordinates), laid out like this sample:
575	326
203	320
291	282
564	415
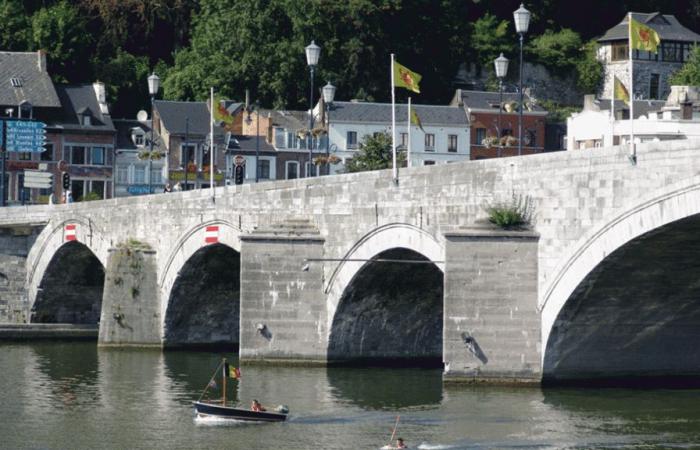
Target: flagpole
633	151
211	147
395	172
408	147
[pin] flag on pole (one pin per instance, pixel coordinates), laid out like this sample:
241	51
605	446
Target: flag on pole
406	78
621	92
221	114
232	372
415	120
643	37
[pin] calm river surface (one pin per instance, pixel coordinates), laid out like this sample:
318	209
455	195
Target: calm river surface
74	396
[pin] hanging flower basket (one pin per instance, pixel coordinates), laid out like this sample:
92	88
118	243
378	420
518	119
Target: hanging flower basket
333	159
301	133
316	132
489	141
509	141
191	167
318	160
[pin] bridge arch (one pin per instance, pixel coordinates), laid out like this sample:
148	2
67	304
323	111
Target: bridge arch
215	241
656	220
50	241
350	293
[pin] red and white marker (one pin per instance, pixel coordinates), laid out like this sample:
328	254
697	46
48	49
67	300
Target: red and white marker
211	234
69	232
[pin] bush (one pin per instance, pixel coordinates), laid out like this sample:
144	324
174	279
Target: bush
517	213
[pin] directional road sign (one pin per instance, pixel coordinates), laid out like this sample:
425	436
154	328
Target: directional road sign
38	179
25	136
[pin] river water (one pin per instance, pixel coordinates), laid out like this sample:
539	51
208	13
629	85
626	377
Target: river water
76	396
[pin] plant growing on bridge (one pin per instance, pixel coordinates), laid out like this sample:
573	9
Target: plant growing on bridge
514	214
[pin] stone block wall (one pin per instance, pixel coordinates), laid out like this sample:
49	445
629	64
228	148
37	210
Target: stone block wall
15	243
492	326
283	310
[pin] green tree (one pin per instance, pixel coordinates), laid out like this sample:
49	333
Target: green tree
60	30
489	38
125	77
589	70
689	73
14	33
374	154
558	51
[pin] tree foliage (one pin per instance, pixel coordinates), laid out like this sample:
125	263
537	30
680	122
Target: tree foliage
14	33
589	70
689	74
489	38
559	51
374	154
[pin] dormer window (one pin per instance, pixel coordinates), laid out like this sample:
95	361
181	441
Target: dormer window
16	82
86	120
85	117
138	139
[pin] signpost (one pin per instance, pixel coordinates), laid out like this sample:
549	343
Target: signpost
38	179
17	135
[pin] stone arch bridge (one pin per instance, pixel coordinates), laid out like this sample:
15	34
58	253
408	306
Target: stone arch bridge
353	268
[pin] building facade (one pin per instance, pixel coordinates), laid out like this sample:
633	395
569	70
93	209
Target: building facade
651	70
494	128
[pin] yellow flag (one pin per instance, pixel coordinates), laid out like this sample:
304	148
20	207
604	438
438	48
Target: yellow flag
415	120
221	114
621	92
406	78
643	37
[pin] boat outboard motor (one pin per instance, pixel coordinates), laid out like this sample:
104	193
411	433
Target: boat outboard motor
282	409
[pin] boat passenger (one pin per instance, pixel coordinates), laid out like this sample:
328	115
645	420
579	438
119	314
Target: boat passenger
400	443
256	406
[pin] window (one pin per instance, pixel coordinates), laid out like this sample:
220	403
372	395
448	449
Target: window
428	163
620	51
279	138
77	189
47	154
98	156
122	174
673	51
429	142
480	136
351	140
530	138
310	169
86	120
264	169
654	86
156	176
98	187
292	170
452	143
25	156
404	140
139	174
16	82
77	155
138	139
187	154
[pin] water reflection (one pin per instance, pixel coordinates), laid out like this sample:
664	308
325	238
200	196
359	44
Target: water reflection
377	388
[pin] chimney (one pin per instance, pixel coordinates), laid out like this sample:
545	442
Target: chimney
100	93
41	60
247	99
686	108
589	103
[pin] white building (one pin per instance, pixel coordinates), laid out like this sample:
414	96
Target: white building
131	171
444	138
676	118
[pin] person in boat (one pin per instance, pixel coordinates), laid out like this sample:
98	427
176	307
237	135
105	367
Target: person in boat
400	443
256	406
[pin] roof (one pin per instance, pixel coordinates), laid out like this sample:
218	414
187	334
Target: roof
641	107
489	101
248	143
124	131
666	25
381	113
35	84
77	100
174	116
291	120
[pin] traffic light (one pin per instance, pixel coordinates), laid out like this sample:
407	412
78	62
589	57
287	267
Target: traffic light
66	180
238	174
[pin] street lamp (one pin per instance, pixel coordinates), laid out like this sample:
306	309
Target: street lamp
501	64
521	16
313	52
153	86
328	96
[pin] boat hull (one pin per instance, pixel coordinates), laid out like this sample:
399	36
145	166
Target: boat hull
225	412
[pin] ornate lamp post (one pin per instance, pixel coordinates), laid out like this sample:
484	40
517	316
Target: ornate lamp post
249	120
153	87
313	52
328	96
501	64
521	16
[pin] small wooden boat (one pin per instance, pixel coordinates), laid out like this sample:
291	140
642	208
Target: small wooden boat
218	408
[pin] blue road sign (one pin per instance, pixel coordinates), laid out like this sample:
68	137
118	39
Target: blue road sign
25	136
